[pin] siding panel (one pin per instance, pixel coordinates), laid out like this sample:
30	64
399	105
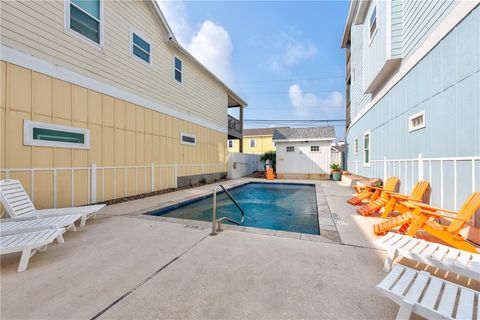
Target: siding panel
38	28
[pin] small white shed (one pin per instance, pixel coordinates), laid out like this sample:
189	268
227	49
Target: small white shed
304	153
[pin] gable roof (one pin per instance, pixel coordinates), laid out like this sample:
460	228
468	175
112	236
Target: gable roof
300	134
260	131
173	40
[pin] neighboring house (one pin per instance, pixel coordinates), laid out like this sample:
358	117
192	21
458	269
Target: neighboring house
304	153
257	141
413	102
102	98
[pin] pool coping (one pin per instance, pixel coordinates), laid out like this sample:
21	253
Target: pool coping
327	227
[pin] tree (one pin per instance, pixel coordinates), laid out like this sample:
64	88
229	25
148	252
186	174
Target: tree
272	156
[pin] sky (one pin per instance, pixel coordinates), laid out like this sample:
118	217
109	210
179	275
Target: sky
283	58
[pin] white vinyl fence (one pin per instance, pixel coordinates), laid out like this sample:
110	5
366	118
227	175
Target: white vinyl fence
451	179
94	184
243	164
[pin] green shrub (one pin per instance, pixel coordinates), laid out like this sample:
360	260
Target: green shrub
335	167
272	156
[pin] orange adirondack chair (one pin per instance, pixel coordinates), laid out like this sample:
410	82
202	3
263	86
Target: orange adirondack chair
372	193
424	220
391	201
401	221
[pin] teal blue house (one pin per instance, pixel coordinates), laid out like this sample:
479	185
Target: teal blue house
413	95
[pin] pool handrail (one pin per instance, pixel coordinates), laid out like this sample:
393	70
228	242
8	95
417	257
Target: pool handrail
216	221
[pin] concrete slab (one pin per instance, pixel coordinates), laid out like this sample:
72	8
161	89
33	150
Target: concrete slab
238	275
94	266
353	228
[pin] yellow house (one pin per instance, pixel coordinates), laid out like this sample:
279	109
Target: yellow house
99	101
257	141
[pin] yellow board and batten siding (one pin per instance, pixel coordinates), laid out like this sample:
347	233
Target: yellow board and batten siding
262	144
38	28
121	133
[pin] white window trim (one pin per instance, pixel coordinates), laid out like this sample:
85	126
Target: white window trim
412	128
230	141
372	36
183	134
315	151
78	35
254	143
355	145
286	148
28	140
132	31
174	68
365	164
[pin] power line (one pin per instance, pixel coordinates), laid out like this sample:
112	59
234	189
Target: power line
287	80
294	120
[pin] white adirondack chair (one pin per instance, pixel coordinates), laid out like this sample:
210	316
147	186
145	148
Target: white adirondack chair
20	224
435	254
28	242
18	204
428	296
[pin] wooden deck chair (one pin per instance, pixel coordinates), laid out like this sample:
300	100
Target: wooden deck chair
444	257
424	220
18	204
428	296
372	193
392	201
401	221
28	242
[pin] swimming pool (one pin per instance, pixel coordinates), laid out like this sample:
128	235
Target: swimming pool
277	206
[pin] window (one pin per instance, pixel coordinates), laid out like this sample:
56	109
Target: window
189	139
178	69
355	146
373	23
51	135
314	148
253	143
85	18
140	47
290	149
366	149
230	143
416	122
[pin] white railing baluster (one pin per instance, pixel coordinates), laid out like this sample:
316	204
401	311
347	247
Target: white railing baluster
455	184
473	175
72	190
54	188
152	176
441	183
32	185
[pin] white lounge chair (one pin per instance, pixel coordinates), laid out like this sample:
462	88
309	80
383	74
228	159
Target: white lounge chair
18	204
59	221
29	242
435	254
428	296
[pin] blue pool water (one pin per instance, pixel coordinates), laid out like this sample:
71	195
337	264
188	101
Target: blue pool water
288	207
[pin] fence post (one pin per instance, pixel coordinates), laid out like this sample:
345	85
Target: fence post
420	167
152	175
175	172
93	181
384	169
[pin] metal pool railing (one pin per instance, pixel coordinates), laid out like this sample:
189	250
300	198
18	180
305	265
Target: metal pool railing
217	223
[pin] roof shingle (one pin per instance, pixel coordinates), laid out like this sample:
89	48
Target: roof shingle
304	133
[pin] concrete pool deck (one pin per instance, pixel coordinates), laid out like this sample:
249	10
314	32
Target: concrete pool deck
126	265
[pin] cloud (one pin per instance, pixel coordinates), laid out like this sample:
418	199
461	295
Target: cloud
292	52
307	103
213	47
175	13
210	43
